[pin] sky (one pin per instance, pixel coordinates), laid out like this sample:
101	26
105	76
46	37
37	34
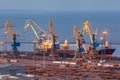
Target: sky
60	5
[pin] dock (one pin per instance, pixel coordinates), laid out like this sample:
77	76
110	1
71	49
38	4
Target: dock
47	58
45	68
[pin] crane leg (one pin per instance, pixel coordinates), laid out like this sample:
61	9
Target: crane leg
79	55
15	51
52	54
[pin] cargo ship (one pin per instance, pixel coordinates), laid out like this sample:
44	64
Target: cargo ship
106	51
71	53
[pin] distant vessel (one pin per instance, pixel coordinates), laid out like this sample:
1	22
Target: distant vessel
106	51
70	53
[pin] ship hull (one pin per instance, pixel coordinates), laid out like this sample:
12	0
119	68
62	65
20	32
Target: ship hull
70	53
107	51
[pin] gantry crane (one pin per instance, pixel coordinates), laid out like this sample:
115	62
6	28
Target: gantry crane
55	44
79	43
92	35
33	25
80	38
39	33
13	37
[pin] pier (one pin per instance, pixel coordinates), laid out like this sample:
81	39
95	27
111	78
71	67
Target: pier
43	67
56	62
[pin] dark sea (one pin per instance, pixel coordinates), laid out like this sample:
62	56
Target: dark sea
63	23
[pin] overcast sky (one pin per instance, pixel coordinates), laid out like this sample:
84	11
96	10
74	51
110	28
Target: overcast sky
61	5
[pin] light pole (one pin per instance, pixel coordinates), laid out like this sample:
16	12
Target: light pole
35	42
5	32
101	39
65	46
2	43
104	34
104	42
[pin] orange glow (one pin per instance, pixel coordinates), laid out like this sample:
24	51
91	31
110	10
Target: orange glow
106	44
34	41
104	32
46	44
101	38
2	43
5	32
65	45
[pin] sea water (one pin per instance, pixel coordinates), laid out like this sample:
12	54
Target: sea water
63	23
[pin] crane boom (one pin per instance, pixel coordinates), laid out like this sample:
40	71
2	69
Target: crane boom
13	37
86	27
74	30
39	27
9	25
53	36
51	32
31	23
92	35
75	34
50	27
79	40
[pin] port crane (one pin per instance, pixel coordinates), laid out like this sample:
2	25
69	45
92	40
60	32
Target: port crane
9	29
80	48
92	35
40	34
79	42
55	44
33	25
